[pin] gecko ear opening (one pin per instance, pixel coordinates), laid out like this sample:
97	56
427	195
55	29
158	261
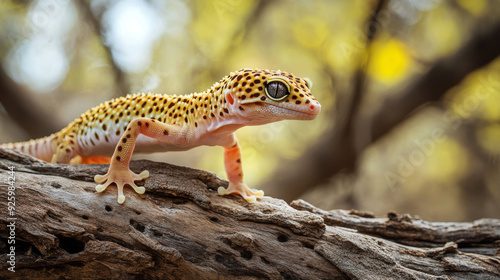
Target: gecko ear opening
229	98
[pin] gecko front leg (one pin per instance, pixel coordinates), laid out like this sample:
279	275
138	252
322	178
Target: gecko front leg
234	170
119	171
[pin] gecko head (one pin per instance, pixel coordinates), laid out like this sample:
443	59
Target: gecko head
265	96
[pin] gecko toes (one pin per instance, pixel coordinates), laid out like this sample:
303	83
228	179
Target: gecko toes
250	195
140	190
251	199
221	191
100	188
144	174
257	192
121	178
99	178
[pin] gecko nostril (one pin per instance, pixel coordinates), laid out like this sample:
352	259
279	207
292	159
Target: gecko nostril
315	108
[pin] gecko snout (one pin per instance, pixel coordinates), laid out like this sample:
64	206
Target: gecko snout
315	108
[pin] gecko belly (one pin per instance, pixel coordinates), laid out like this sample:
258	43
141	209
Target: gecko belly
144	145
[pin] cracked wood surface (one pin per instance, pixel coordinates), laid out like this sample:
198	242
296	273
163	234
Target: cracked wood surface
181	229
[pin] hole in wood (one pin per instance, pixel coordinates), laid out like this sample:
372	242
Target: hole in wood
108	208
137	225
85	217
287	275
228	242
70	245
56	185
308	245
283	238
179	200
214	219
246	254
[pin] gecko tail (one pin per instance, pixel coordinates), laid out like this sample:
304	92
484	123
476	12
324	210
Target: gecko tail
40	148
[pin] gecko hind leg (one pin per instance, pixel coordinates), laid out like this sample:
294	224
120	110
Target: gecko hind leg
66	150
234	170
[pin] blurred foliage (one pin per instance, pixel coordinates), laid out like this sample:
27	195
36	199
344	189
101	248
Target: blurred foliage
195	43
476	8
391	61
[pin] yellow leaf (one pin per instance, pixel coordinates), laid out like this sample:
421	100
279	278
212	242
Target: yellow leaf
478	96
390	61
490	107
475	7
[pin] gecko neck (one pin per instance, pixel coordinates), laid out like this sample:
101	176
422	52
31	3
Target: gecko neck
223	115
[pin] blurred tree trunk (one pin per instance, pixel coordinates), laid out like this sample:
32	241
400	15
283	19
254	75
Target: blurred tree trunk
34	120
21	107
338	149
95	20
181	229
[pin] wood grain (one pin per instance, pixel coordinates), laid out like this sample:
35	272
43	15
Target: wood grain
181	229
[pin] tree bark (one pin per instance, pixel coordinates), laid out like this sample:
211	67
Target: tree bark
181	229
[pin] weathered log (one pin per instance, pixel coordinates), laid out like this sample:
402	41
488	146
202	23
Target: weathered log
181	229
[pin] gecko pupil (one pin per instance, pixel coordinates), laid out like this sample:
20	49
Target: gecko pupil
277	90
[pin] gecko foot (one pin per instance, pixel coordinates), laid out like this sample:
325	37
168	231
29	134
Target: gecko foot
250	195
120	178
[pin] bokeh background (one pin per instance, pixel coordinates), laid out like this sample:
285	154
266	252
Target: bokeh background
410	89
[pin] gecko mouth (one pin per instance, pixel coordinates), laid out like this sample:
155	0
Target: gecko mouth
309	113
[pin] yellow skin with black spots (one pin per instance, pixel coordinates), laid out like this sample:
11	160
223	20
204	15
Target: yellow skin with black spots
149	123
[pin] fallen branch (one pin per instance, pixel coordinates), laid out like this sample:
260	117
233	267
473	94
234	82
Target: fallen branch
181	229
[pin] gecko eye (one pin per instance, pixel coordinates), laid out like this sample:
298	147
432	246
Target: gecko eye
277	90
